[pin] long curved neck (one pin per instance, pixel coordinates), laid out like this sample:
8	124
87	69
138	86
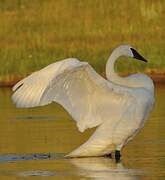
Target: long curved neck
138	80
110	70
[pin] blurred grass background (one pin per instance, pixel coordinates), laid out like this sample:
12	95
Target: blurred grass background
35	33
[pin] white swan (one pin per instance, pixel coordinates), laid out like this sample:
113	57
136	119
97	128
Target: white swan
118	106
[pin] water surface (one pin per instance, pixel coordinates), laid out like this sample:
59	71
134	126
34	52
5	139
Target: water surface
33	143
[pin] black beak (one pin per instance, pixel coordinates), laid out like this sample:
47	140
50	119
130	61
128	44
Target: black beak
137	55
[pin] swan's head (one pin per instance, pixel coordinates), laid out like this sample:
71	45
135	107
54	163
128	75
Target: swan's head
127	50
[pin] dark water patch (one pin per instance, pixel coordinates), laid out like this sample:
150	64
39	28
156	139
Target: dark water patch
16	157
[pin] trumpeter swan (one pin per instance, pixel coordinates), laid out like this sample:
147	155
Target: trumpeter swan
118	106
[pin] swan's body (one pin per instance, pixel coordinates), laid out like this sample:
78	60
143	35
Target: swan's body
118	106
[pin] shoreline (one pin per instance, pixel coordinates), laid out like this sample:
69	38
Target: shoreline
158	78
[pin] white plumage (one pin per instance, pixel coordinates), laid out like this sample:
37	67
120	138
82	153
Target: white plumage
118	106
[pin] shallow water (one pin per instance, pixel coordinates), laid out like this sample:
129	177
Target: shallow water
33	143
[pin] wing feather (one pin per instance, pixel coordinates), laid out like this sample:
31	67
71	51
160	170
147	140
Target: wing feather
89	98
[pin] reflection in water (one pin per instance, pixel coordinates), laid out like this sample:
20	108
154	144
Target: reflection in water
104	168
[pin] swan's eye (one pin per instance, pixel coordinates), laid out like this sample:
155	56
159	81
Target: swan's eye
136	55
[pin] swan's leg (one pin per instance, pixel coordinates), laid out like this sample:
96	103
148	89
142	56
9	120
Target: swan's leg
117	155
118	152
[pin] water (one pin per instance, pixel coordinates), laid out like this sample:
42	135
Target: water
33	143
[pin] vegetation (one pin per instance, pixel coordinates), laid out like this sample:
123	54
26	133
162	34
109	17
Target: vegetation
35	33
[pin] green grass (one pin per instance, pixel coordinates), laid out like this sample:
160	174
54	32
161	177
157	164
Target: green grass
35	33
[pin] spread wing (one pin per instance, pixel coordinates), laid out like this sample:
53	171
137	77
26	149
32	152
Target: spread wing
88	97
